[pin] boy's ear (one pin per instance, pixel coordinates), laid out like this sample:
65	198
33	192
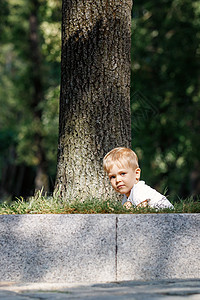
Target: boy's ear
137	173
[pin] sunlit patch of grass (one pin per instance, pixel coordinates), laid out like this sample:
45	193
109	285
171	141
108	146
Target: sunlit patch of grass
40	204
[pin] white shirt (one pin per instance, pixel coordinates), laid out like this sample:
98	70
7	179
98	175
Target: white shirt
141	192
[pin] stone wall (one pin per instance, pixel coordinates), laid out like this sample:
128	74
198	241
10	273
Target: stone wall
99	248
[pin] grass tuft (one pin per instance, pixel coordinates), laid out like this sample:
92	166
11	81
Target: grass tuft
40	204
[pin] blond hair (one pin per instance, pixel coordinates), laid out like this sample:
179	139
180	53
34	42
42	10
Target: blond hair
122	157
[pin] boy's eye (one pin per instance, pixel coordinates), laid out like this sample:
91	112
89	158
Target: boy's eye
112	177
123	174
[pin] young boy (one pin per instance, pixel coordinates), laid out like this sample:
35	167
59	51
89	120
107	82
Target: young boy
121	165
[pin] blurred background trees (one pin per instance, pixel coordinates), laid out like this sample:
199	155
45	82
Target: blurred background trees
29	92
165	96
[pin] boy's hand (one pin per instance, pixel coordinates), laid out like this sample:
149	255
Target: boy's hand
127	205
143	204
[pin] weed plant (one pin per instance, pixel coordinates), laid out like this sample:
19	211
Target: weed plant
42	204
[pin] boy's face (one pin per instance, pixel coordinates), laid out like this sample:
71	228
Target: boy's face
123	178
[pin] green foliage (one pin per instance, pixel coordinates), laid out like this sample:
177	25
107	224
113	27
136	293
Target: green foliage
165	97
18	125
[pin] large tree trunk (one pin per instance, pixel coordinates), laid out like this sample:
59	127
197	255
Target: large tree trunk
95	92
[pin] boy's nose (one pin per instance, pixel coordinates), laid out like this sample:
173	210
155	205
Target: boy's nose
118	178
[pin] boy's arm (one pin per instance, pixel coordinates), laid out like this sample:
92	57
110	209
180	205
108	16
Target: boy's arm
155	199
145	195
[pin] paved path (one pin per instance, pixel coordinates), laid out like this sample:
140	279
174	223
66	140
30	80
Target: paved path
134	290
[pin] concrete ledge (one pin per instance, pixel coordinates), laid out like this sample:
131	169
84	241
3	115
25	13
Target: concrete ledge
99	248
158	246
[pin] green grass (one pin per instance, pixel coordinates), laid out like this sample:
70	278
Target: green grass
40	204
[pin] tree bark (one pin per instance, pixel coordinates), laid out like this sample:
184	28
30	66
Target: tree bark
95	93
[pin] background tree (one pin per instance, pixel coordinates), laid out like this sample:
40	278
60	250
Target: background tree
95	92
30	69
165	94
